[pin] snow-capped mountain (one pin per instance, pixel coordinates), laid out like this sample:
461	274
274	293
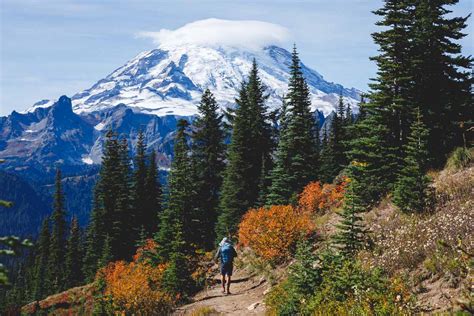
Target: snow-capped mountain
149	93
169	80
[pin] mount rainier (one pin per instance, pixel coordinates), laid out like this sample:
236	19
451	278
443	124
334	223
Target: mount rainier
170	80
149	93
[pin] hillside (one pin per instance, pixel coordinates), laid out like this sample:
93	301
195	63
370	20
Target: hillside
431	252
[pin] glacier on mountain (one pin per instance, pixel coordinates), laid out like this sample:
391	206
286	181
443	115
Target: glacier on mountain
170	79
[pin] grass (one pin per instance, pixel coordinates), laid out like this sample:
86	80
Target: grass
460	158
204	311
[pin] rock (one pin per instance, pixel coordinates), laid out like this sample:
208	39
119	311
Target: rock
267	291
253	306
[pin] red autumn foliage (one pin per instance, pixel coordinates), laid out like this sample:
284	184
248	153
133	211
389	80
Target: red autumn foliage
273	232
318	199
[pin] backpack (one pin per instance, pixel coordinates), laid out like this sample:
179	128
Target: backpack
227	253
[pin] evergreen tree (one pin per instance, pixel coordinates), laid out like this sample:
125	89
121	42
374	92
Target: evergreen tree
333	158
280	189
351	233
208	153
180	211
41	284
410	192
153	199
139	185
392	89
304	275
177	276
297	156
106	256
94	238
57	247
73	264
122	246
372	149
442	77
112	213
249	151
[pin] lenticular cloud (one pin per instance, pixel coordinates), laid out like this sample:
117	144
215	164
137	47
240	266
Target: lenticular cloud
248	34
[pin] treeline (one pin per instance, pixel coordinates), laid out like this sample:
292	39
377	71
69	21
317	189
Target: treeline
414	115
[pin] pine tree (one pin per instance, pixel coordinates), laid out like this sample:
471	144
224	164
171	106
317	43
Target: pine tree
112	213
280	189
106	256
350	237
297	156
304	275
180	211
41	282
153	198
372	149
122	246
333	158
177	279
94	238
57	245
411	189
73	264
392	89
208	154
250	146
442	77
139	185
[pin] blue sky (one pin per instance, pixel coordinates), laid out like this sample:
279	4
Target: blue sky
54	47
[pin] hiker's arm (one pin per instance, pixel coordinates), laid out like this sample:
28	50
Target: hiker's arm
235	252
218	252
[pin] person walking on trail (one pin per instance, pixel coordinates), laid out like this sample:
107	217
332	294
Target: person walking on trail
226	253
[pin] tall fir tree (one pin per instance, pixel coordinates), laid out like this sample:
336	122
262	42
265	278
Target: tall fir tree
372	148
351	234
392	89
177	277
411	190
297	156
41	282
208	155
333	158
280	188
122	246
249	149
153	198
180	209
94	238
73	264
112	213
442	77
139	186
57	246
381	132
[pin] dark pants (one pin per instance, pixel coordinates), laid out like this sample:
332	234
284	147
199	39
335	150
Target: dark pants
227	268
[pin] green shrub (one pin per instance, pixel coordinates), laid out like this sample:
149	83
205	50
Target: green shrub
460	158
343	287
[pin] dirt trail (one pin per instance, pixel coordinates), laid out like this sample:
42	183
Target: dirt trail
246	298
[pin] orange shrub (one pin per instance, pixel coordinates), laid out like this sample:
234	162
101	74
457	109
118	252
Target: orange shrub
273	232
135	288
317	198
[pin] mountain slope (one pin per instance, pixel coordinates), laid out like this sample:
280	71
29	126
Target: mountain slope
169	80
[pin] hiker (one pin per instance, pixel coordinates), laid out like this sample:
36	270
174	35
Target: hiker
226	253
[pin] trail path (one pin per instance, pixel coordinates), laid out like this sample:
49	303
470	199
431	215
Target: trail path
246	298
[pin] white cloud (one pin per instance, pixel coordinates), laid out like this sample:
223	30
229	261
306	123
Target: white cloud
236	33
